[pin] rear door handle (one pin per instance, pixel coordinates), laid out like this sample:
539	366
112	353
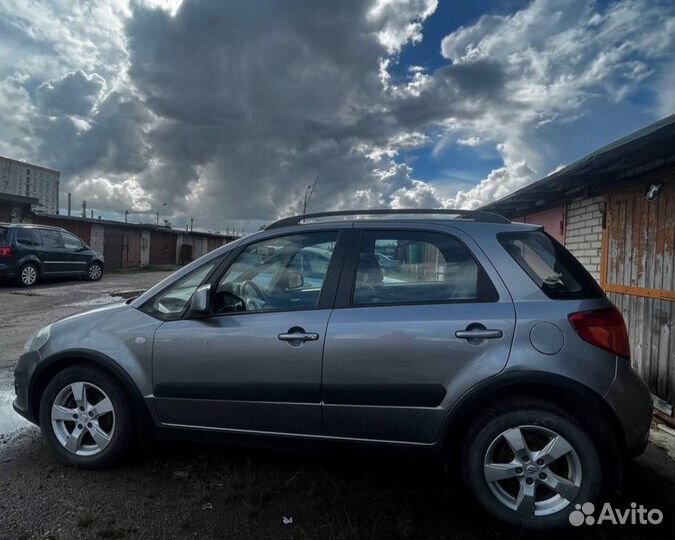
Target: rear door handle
479	334
298	336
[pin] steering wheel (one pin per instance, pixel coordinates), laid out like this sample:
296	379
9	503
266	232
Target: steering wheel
257	301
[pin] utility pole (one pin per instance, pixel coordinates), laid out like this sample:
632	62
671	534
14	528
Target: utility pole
69	203
192	222
308	194
126	216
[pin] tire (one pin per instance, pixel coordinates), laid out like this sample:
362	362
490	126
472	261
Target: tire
28	274
488	454
79	436
95	271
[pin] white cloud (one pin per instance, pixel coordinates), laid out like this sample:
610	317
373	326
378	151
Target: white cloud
558	60
400	21
470	141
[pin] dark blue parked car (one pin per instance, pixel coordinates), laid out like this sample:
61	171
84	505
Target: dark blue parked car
30	252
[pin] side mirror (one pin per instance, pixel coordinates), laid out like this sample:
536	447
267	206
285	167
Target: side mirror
295	280
201	301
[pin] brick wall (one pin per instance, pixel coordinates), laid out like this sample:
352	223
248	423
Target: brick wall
583	232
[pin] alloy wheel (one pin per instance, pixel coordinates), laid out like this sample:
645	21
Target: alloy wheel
95	272
83	418
532	470
28	275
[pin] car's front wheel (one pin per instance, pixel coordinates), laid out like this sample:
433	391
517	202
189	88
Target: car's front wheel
86	417
529	464
95	271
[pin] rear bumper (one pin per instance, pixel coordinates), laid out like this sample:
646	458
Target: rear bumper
631	400
6	270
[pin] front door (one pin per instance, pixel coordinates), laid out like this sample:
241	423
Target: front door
420	317
255	363
79	254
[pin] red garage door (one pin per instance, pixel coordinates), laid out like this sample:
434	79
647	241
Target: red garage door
162	248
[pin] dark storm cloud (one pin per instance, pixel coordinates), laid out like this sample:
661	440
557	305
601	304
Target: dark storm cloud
110	139
74	93
261	104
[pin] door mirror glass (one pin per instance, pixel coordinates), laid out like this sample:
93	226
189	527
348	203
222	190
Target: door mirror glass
201	300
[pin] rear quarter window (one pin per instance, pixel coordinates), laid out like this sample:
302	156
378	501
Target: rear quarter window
554	269
4	236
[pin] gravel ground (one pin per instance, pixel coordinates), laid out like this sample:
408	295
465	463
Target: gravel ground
206	491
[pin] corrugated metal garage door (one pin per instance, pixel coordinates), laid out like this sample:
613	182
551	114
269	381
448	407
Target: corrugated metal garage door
132	249
113	246
162	248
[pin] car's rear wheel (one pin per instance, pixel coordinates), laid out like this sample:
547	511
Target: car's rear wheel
86	417
28	274
95	271
529	464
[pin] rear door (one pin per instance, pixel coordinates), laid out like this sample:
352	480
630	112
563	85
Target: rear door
420	317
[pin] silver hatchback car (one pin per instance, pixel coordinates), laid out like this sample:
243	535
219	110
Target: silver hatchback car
455	332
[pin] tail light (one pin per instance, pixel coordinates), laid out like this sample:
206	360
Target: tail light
603	328
5	251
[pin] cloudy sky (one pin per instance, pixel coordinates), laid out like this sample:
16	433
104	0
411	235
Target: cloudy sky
226	110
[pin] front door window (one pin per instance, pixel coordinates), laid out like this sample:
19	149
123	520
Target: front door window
285	273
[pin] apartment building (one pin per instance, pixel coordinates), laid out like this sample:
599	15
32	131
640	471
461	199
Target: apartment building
27	180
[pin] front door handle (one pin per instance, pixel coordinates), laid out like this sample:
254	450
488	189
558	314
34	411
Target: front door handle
479	334
298	336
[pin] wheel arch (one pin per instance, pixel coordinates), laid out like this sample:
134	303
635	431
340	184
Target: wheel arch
49	367
30	258
583	404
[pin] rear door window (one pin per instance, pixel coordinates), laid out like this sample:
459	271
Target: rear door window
27	237
51	239
414	267
554	269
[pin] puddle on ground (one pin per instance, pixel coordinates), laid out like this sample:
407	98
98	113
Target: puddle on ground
98	301
10	421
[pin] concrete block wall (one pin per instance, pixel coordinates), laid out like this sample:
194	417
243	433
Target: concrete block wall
583	232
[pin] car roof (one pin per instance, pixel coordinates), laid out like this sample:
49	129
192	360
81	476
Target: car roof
458	218
30	226
463	224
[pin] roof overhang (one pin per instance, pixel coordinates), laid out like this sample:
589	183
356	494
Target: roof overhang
645	150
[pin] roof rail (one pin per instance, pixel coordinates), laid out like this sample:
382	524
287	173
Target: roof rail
476	215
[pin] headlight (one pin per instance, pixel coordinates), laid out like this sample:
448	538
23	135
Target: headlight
38	339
